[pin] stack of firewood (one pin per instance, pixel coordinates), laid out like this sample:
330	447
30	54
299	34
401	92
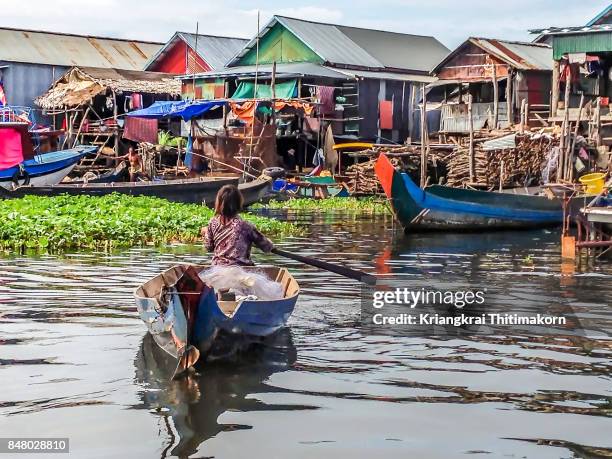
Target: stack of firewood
520	166
362	178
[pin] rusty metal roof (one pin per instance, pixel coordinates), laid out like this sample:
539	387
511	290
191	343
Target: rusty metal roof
517	54
520	55
51	48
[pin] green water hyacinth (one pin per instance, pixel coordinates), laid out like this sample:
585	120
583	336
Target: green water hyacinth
369	205
106	222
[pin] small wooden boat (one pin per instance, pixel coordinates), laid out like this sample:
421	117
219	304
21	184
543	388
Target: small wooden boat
445	208
187	320
195	191
44	169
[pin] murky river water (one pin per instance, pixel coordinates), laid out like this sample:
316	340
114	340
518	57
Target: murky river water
75	360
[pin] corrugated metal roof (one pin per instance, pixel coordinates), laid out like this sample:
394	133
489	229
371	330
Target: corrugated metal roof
520	55
500	143
329	42
215	51
52	48
573	30
352	46
399	50
517	54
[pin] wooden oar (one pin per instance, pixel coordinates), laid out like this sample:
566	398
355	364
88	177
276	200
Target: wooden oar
346	272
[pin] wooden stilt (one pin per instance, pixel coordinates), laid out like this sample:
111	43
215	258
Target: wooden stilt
472	162
509	102
115	115
554	102
423	136
495	98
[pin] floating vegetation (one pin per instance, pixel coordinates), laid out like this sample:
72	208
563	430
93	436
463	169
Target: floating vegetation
105	222
370	205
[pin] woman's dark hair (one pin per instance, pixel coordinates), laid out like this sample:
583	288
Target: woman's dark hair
229	201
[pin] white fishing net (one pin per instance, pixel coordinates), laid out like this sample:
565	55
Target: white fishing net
242	283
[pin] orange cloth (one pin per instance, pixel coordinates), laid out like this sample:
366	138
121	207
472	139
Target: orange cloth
245	110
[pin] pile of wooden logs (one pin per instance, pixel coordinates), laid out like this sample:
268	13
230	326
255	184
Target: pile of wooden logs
513	167
362	178
517	166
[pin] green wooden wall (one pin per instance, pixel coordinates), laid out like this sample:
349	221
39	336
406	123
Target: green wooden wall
581	43
281	46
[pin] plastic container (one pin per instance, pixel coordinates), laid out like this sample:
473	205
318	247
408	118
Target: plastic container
594	182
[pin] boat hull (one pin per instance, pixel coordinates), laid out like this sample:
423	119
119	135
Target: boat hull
448	209
46	169
190	317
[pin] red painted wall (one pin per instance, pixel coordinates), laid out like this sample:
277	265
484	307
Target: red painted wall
174	61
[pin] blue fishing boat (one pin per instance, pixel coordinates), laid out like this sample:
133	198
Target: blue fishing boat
45	169
20	166
445	208
189	321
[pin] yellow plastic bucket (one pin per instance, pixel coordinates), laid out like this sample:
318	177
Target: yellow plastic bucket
594	182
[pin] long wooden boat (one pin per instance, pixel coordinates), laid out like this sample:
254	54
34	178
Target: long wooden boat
445	208
198	190
187	320
44	169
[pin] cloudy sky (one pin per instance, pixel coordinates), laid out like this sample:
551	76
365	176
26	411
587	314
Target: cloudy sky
448	20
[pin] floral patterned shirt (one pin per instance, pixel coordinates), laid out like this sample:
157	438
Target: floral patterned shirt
231	242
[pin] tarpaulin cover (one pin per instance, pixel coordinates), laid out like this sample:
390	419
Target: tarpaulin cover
140	130
185	109
284	90
11	152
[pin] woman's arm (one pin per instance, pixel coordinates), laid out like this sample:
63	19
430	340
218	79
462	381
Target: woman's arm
209	242
261	241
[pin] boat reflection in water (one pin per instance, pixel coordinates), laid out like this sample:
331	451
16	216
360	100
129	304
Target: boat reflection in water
191	405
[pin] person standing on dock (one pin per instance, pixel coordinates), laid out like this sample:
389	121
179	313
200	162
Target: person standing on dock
228	236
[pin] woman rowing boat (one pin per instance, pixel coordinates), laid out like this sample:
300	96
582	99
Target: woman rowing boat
228	236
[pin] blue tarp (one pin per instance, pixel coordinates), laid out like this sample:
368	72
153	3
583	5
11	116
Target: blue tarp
186	109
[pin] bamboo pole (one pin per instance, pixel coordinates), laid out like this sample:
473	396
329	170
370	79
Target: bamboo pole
523	108
423	137
495	97
76	138
472	159
509	104
115	115
554	102
570	169
598	122
565	141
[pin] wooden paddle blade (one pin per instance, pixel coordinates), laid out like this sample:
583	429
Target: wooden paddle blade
187	359
341	270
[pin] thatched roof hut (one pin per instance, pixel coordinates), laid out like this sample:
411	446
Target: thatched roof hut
80	85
